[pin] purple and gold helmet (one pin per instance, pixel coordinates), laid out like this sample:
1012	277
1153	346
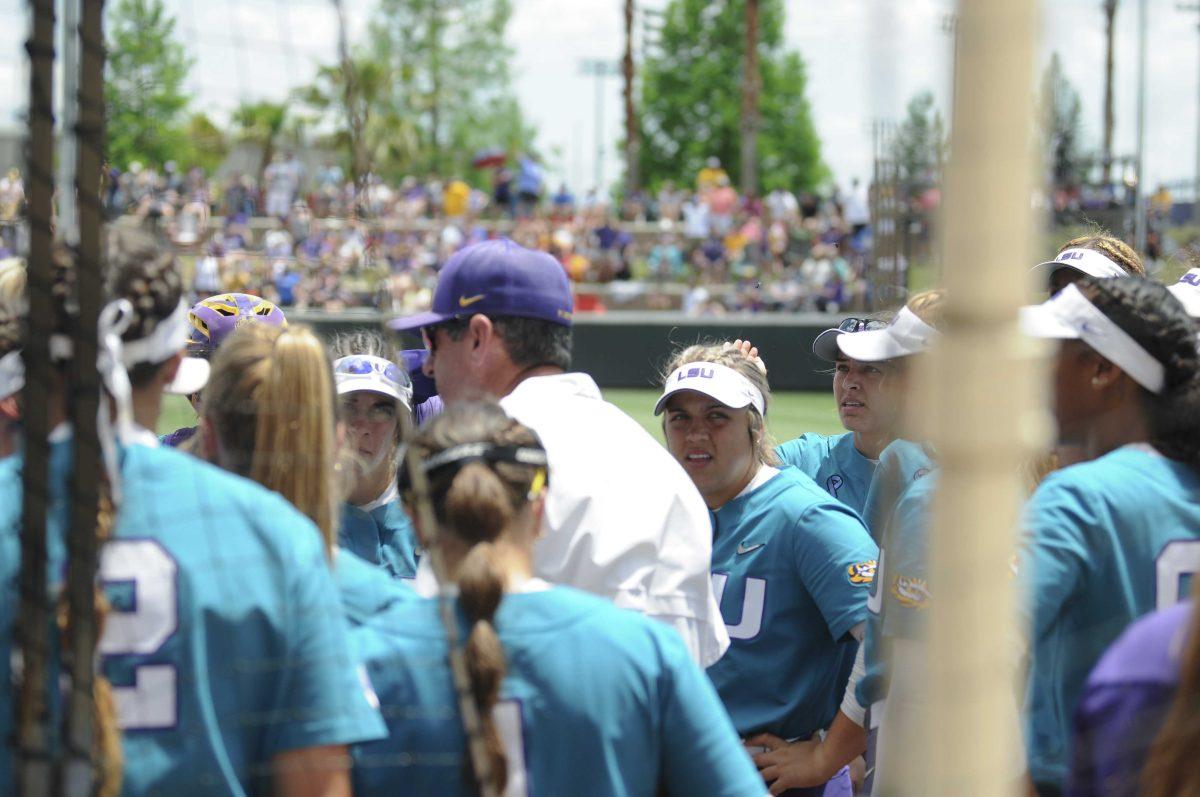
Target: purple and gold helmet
214	318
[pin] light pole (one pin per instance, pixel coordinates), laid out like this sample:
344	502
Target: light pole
1195	7
1139	207
599	68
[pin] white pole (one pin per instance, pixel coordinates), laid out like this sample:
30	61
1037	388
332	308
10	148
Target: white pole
977	405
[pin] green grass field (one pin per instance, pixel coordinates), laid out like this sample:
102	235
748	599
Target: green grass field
790	413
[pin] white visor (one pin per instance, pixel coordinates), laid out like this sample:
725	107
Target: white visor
1187	291
716	381
1085	261
190	378
379	375
906	335
1070	316
168	339
12	374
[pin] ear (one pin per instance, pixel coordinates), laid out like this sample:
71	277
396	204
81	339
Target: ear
537	511
1104	373
481	332
9	409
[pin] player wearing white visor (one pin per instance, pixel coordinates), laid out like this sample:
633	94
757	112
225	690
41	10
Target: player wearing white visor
1187	291
869	392
1099	256
376	396
1112	538
791	566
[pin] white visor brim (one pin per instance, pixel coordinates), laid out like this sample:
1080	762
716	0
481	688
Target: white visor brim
905	336
719	382
191	377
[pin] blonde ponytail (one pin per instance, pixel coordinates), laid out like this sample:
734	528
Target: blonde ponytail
270	398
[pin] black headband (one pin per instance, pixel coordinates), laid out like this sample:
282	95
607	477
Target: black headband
476	452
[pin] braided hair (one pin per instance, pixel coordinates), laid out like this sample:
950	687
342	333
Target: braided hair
474	503
150	280
1111	247
1151	315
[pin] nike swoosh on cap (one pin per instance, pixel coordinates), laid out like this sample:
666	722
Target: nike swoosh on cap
465	301
743	548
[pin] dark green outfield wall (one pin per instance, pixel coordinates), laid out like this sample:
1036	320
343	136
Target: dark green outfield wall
627	349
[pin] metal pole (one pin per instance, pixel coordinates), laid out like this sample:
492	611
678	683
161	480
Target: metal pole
1196	192
599	73
1194	7
979	413
1139	207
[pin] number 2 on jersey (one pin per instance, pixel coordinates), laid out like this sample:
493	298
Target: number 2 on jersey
144	565
1177	559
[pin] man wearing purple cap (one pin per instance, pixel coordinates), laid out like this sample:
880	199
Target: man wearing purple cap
622	518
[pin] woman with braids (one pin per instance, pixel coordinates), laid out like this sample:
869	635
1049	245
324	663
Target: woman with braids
225	643
791	566
1097	255
577	697
1112	538
376	407
13	307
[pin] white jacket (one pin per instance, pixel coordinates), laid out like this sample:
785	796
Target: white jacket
623	520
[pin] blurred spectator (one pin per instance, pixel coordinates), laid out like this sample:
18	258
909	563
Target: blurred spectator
710	175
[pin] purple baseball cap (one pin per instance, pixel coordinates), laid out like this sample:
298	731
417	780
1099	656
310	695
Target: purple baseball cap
497	278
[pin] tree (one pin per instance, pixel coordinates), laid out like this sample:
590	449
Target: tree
448	80
261	124
919	148
206	146
144	90
692	99
1059	127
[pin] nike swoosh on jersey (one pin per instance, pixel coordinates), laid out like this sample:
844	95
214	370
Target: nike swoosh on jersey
743	548
467	301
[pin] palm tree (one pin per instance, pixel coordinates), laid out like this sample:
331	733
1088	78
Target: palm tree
261	123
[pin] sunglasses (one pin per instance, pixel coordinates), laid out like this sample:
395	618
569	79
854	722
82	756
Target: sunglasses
359	366
861	325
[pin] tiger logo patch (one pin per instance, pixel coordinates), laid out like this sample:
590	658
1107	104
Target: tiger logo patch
912	593
861	572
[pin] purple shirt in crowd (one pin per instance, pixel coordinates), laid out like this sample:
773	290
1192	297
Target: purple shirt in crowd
1124	703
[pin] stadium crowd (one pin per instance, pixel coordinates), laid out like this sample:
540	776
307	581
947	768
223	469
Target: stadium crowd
287	236
535	596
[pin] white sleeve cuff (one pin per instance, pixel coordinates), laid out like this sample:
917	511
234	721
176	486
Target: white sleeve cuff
850	705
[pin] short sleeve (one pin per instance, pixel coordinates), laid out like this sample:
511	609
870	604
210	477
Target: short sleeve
702	753
906	594
1053	550
798	454
325	696
836	561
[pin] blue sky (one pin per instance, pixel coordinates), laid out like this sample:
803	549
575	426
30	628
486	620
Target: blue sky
865	59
